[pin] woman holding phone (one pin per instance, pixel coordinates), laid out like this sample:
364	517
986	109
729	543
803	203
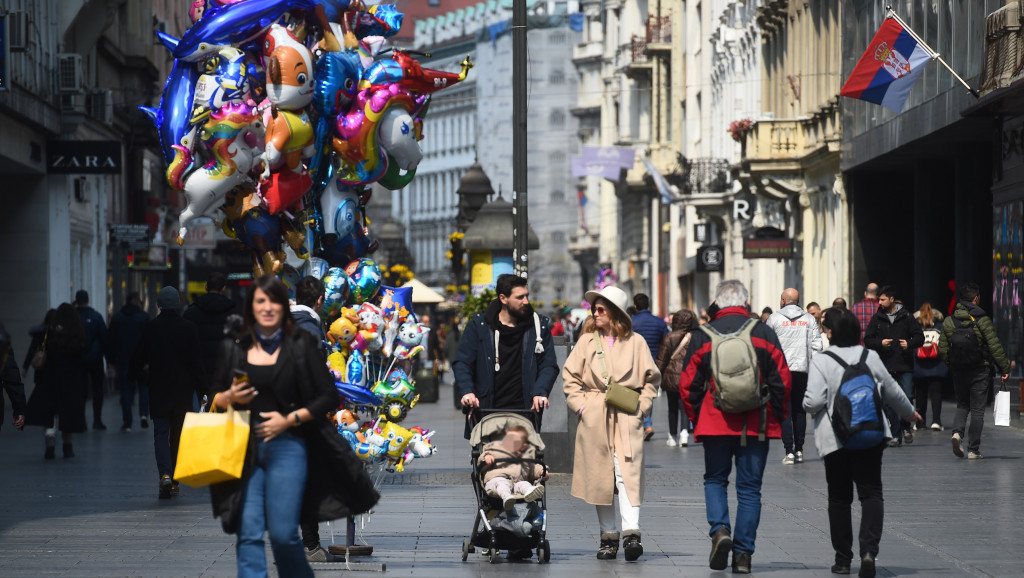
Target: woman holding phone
275	372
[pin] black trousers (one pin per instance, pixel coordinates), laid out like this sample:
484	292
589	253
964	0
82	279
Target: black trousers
844	469
310	534
794	428
928	389
676	415
98	389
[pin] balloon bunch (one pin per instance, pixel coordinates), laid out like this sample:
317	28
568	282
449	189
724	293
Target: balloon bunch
278	114
384	442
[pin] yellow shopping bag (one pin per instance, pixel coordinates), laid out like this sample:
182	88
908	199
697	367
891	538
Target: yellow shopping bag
212	447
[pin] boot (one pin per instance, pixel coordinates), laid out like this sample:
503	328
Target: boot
631	545
609	546
740	563
51	447
721	545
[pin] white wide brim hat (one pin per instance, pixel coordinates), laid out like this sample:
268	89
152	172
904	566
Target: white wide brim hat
617	297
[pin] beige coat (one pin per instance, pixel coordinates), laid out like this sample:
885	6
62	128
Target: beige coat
515	471
602	429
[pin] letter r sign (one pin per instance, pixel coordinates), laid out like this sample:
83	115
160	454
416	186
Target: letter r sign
741	210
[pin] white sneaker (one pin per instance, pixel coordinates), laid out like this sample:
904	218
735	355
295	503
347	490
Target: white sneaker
936	427
671	441
799	457
684	438
789	460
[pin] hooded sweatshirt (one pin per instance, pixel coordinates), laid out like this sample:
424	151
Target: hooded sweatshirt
798	333
508	381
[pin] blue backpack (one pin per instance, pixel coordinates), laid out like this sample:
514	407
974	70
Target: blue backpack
857	410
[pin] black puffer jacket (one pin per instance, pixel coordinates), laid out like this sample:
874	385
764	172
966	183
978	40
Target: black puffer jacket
903	326
209	312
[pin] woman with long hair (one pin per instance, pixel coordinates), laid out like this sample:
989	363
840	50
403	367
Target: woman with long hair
60	390
609	457
276	372
671	354
844	467
929	369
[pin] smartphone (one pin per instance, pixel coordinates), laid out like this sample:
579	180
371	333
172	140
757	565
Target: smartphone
240	375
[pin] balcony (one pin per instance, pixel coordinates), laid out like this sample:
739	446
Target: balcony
587	53
793	140
706	175
659	34
632	59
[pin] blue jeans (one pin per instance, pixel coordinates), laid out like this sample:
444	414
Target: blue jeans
272	503
906	381
128	395
719	452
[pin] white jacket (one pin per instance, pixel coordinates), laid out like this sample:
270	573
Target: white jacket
798	333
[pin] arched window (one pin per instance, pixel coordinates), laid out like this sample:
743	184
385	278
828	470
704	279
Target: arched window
557	118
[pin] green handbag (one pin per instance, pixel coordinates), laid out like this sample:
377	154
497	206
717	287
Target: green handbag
618	396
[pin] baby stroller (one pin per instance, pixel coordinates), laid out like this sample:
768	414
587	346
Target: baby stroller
495	529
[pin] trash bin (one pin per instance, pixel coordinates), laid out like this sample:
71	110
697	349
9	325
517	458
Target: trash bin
426	385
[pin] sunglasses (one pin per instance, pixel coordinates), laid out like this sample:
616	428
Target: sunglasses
600	309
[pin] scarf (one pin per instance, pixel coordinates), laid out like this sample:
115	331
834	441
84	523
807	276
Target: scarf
271	343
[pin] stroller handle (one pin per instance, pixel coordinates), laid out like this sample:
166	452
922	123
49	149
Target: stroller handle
475	414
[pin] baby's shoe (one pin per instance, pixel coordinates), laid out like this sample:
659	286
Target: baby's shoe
535	494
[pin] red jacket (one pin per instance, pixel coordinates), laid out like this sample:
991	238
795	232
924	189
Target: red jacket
696	383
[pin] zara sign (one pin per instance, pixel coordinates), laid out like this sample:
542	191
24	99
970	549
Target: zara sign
82	157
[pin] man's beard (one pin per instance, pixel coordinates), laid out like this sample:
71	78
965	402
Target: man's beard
513	313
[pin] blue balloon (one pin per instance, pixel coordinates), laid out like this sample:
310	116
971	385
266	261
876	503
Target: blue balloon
336	290
233	24
171	118
396	299
357	395
315	267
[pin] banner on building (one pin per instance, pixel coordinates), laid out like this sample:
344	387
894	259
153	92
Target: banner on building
711	259
485	267
604	162
767	248
83	157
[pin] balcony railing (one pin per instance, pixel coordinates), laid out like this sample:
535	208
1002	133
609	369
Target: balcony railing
659	30
793	139
706	175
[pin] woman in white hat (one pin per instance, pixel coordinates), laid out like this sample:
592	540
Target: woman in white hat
610	440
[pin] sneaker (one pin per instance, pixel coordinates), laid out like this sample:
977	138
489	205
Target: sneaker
867	566
975	456
908	437
789	460
318	554
740	563
166	483
535	494
51	448
684	438
175	490
671	441
509	503
632	547
841	568
721	545
895	442
144	421
799	457
98	425
648	433
958	447
936	427
126	429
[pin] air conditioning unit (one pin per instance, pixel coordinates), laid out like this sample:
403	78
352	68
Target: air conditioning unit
17	31
69	74
100	104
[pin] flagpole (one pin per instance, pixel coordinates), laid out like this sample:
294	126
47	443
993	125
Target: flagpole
892	14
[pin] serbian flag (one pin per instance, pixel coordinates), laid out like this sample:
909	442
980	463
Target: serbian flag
889	67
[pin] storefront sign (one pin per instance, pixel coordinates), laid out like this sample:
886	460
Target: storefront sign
202	234
82	157
135	235
711	259
605	162
767	248
700	232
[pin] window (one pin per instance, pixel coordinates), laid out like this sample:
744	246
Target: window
557	196
557	237
556	77
557	118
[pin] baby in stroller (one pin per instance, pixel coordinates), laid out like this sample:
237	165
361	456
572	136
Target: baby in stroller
508	481
510	475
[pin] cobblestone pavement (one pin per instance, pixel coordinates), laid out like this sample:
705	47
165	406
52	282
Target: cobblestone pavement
98	513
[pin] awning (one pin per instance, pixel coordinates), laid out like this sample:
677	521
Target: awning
423	294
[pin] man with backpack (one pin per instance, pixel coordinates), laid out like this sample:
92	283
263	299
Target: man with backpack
735	389
895	334
969	346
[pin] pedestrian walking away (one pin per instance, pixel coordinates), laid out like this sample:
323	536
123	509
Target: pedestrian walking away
847	464
60	391
95	328
653	329
506	357
969	346
798	333
735	381
894	334
123	337
608	463
929	370
277	373
210	313
169	347
669	361
10	380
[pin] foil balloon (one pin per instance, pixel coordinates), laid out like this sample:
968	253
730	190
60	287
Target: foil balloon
233	24
363	280
336	290
356	394
315	267
396	300
396	374
290	277
172	116
355	369
380	20
410	338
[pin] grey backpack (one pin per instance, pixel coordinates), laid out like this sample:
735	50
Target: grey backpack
738	387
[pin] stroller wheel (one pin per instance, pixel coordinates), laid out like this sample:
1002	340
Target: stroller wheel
492	555
467	547
544	552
